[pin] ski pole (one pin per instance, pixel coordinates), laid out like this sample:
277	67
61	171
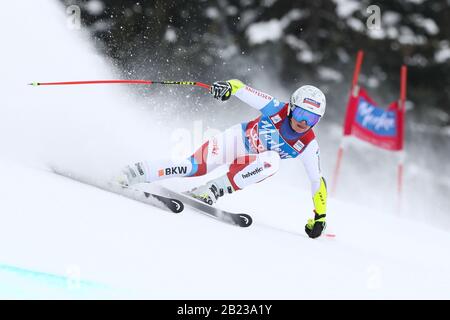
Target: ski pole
185	83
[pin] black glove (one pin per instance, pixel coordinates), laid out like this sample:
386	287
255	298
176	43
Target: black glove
315	227
221	90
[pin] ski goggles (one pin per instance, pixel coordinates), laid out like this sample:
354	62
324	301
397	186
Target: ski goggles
300	114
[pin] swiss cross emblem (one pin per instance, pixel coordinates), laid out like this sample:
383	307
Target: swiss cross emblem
298	146
276	118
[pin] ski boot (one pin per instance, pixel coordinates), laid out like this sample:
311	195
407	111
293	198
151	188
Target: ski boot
212	190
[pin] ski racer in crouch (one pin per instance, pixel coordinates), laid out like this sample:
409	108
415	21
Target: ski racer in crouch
252	149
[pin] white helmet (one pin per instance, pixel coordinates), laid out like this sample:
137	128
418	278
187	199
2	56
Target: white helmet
309	98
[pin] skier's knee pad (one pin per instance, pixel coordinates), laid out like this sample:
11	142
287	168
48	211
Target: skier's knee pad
251	169
270	160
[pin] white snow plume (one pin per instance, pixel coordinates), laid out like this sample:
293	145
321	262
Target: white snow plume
95	128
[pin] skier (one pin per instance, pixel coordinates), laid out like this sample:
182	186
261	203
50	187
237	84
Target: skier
252	149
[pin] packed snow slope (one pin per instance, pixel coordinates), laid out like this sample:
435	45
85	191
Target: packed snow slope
131	250
63	239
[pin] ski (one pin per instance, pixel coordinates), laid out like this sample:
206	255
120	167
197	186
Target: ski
174	205
237	219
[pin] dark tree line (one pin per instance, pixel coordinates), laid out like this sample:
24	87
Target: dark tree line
293	40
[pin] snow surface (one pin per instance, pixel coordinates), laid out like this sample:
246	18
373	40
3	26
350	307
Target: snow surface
261	32
346	8
272	30
95	7
63	239
443	54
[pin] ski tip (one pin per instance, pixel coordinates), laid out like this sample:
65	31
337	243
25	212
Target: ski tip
174	205
34	84
178	206
243	220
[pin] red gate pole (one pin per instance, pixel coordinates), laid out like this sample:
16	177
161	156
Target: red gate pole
403	84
